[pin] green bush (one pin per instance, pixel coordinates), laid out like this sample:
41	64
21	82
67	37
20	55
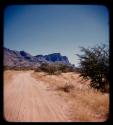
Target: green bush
94	65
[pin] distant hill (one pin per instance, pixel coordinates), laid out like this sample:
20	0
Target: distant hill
14	58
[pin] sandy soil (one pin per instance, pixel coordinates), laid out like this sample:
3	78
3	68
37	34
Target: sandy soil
35	97
26	99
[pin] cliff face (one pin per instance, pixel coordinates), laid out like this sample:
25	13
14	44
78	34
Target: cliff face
57	57
23	59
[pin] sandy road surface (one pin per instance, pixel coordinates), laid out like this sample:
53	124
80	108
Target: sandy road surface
26	99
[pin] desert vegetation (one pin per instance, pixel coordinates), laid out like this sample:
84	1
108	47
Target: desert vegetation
18	68
84	103
94	70
54	68
94	65
66	88
88	105
83	90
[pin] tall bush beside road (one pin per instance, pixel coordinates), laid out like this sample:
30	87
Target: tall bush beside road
94	65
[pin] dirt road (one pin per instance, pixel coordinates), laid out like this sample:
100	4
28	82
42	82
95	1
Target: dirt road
27	99
37	97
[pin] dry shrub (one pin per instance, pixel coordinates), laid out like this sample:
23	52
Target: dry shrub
66	88
55	68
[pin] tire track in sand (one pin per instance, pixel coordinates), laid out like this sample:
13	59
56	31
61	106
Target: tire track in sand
27	100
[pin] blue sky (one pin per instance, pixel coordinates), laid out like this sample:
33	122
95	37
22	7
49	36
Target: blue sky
46	29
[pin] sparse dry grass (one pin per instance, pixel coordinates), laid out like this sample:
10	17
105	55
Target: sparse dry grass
85	104
88	105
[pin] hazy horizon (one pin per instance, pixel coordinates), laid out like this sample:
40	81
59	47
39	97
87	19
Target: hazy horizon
46	29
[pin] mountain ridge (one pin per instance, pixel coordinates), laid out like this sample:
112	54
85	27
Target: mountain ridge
13	58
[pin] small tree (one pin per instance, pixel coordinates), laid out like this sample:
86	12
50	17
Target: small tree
94	65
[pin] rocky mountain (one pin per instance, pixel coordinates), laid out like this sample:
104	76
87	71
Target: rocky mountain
56	57
14	58
18	59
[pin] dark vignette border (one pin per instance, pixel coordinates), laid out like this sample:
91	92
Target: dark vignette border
3	4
